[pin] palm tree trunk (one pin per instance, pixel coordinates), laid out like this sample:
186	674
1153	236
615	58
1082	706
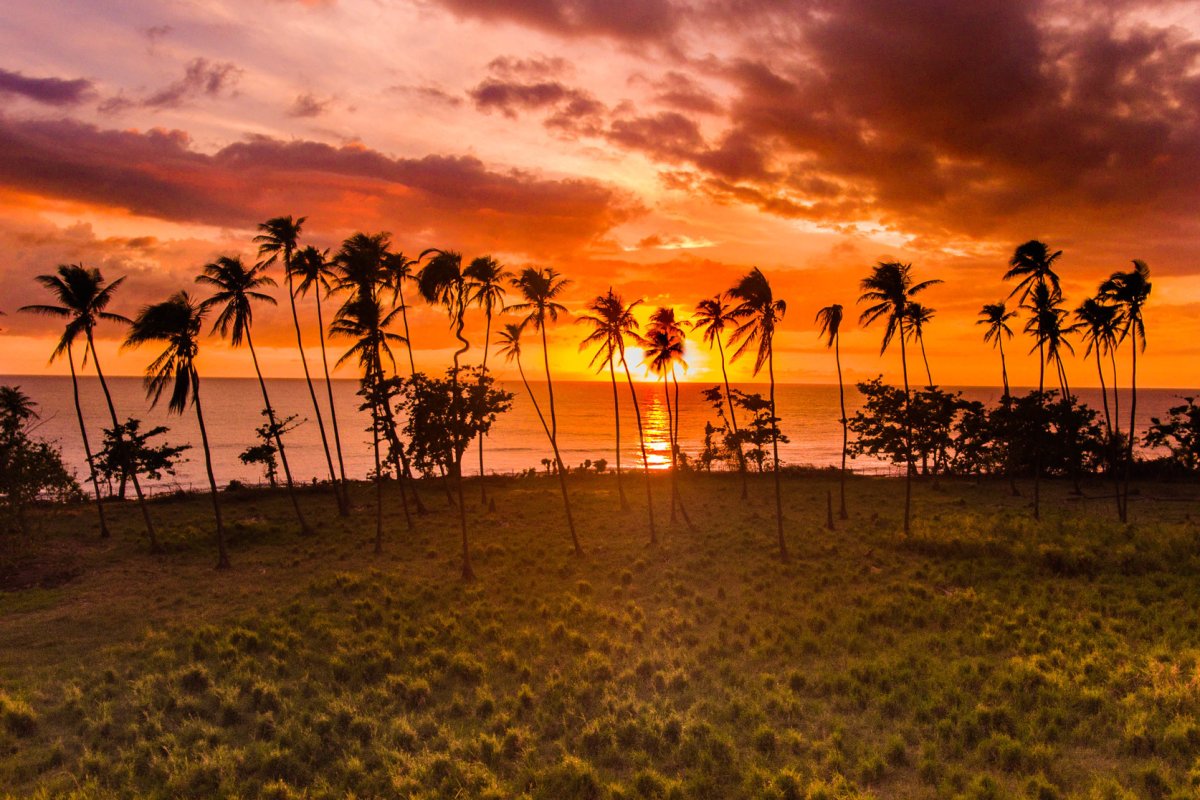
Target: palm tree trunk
1037	449
677	453
925	358
343	496
129	468
487	339
562	470
783	552
642	441
467	572
412	364
375	423
908	455
1104	394
87	448
612	374
1003	364
837	355
1132	430
399	463
670	445
222	552
312	393
733	420
305	529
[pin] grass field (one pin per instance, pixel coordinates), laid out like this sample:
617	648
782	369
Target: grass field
987	656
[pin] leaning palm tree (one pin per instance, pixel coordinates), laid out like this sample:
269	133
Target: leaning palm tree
176	323
237	290
540	290
830	320
996	317
758	314
485	285
278	241
890	290
83	297
363	320
66	345
918	317
1130	290
314	271
608	323
712	317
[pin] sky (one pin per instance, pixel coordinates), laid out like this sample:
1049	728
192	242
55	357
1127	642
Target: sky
658	147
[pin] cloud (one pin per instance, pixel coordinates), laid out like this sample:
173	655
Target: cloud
201	79
442	199
520	85
307	105
644	20
51	91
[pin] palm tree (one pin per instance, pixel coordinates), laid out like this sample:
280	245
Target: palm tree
399	269
918	317
830	320
758	314
1130	290
890	290
176	322
1046	326
712	317
485	284
540	290
314	271
608	323
996	317
1100	324
663	351
83	297
237	289
363	320
442	281
278	241
1032	264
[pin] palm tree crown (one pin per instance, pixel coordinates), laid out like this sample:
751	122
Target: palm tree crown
996	317
1130	290
712	316
830	320
83	297
890	290
279	237
1033	263
485	278
313	269
176	322
540	289
1100	324
611	321
237	289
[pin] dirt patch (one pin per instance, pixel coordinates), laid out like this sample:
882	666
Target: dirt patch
44	569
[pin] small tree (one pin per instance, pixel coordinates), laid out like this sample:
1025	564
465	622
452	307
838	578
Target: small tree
29	468
131	448
761	429
1180	433
264	452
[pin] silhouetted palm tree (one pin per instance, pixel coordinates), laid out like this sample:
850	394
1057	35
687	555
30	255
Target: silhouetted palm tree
540	289
1046	326
485	287
1100	325
176	322
1130	290
758	314
664	347
918	317
442	281
890	290
510	347
398	269
1032	264
605	321
83	298
279	240
830	320
712	317
314	271
363	320
237	289
996	317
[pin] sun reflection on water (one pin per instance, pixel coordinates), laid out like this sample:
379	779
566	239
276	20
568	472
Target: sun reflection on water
658	434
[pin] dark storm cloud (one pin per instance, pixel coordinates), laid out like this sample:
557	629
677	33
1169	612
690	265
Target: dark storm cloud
640	20
51	91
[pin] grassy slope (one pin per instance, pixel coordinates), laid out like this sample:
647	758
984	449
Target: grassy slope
986	657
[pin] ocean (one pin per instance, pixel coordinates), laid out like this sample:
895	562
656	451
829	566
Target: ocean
809	415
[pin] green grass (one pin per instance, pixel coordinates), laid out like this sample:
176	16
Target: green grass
986	657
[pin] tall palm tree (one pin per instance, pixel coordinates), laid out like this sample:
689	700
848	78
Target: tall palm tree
176	323
712	317
608	323
83	297
363	320
996	317
1032	264
830	320
65	345
1046	325
1130	290
237	290
1100	324
510	347
361	266
918	317
485	286
663	347
540	290
314	271
758	314
442	281
278	240
890	290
